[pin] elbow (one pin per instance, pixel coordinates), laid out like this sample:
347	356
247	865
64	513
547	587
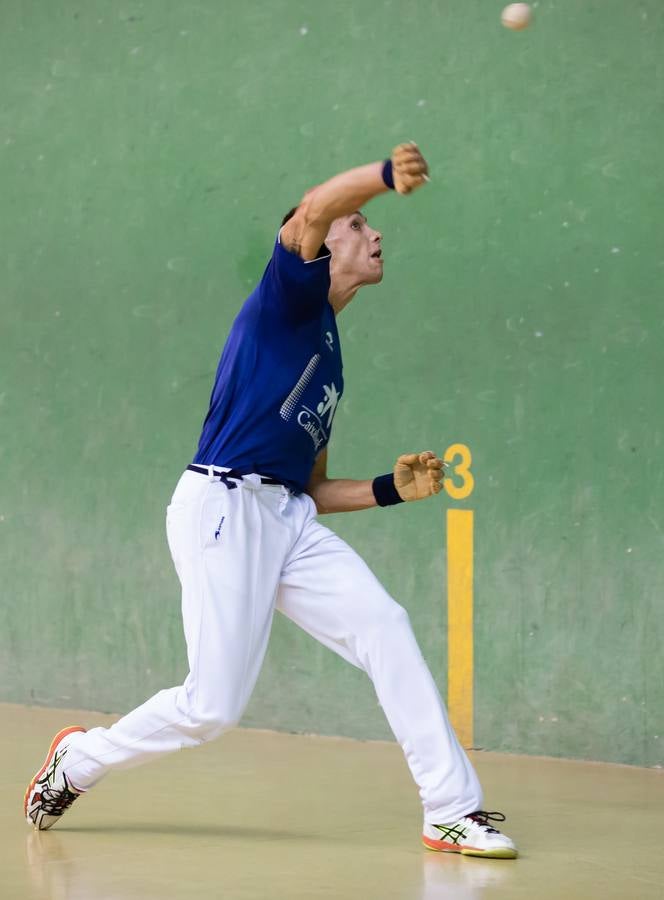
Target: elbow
315	496
314	214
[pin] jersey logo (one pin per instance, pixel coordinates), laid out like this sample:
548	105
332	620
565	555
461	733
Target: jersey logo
329	340
291	401
317	424
329	403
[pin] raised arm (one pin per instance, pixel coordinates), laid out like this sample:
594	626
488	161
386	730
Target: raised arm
304	234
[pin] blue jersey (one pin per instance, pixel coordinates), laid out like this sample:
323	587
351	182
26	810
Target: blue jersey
279	378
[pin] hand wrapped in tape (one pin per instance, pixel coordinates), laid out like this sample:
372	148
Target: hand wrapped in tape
418	475
409	168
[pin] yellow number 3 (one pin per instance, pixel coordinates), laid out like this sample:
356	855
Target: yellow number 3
461	470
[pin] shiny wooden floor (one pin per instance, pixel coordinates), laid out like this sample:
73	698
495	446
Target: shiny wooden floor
262	815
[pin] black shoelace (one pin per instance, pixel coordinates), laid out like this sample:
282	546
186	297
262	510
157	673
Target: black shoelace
483	818
55	802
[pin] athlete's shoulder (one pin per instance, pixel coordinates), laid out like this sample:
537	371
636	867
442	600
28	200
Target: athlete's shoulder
295	285
304	234
290	255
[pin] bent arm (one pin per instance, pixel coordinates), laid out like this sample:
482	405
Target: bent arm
416	476
344	194
334	495
340	196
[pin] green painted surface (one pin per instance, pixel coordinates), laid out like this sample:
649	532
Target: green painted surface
147	152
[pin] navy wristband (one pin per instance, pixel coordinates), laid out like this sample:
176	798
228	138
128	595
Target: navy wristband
387	174
384	490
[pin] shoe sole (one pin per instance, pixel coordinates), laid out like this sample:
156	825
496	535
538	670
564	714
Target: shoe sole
49	756
444	847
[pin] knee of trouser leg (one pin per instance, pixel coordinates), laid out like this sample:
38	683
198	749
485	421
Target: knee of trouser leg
397	617
210	723
393	625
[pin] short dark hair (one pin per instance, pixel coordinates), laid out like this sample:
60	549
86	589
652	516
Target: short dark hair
289	215
323	251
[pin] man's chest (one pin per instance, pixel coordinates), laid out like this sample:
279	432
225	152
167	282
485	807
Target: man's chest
314	389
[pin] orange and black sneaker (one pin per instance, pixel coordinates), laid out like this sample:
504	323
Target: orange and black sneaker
50	793
472	835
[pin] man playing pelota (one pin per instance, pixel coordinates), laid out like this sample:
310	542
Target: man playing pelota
245	540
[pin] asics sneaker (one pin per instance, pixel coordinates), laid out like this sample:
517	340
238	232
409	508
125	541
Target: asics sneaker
472	835
50	793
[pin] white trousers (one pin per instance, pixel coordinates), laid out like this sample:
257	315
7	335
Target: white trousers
240	553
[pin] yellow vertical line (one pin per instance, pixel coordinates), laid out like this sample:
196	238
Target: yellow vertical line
460	623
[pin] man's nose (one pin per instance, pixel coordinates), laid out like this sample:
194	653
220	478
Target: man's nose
377	236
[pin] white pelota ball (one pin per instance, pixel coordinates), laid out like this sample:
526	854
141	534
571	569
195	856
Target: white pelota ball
516	16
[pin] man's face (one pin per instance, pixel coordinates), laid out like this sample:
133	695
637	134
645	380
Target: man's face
356	251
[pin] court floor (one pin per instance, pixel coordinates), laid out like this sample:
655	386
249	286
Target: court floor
263	815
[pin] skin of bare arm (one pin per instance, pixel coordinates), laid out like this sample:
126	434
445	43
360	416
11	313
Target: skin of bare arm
340	196
343	194
334	495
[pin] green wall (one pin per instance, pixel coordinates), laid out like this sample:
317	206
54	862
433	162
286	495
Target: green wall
147	153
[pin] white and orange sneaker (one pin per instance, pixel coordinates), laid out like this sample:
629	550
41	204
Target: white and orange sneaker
472	835
50	793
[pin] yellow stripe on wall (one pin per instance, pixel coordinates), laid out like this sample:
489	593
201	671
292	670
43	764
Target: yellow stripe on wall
460	623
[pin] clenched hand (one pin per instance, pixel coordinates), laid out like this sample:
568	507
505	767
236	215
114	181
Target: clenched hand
418	475
409	168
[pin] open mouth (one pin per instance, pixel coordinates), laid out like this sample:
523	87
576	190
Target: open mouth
377	254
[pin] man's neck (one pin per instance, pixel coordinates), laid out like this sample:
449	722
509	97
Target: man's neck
341	295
